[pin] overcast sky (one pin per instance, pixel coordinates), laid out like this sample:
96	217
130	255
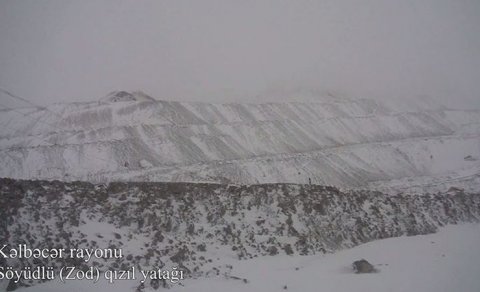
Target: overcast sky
52	51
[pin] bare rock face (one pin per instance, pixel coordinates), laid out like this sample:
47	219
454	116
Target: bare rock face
363	266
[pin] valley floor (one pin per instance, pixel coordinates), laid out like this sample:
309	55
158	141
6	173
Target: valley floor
446	261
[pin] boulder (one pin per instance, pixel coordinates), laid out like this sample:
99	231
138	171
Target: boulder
363	266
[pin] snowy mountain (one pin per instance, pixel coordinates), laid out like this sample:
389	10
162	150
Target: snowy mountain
209	188
357	143
118	96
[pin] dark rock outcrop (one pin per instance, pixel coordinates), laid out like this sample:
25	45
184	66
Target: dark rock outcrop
363	266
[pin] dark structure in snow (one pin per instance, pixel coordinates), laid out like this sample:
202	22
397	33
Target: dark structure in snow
363	266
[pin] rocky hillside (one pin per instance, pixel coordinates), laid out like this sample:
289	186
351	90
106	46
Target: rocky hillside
347	143
206	228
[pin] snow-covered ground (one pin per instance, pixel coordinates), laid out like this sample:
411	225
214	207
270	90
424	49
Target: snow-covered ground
445	261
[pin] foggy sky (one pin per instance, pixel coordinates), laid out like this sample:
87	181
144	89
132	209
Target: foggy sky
60	51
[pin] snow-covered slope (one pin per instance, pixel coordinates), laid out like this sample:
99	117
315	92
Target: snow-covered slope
442	262
205	229
348	143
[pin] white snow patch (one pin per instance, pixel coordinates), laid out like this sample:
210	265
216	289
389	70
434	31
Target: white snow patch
445	261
